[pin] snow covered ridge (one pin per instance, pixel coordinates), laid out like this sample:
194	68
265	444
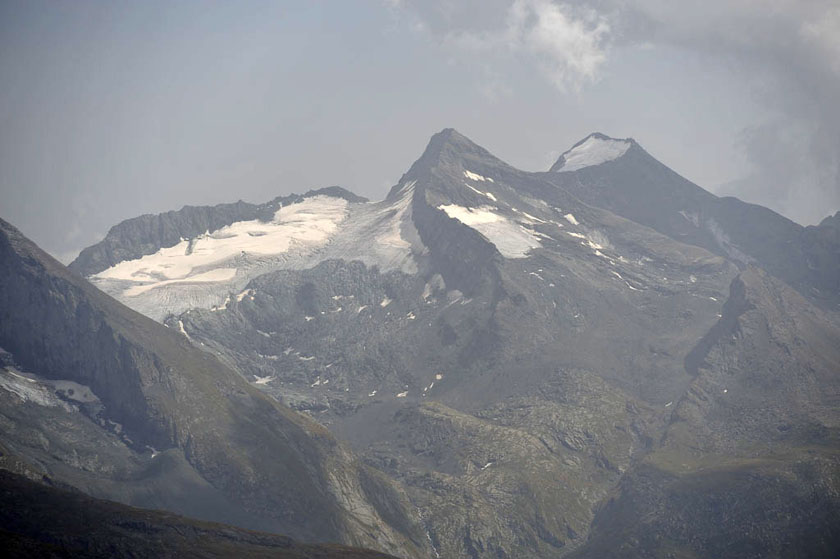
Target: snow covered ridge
209	270
309	222
510	238
594	150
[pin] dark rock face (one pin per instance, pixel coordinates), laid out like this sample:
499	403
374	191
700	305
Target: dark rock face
757	508
822	249
42	521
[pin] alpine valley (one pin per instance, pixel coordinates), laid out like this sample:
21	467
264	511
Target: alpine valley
599	360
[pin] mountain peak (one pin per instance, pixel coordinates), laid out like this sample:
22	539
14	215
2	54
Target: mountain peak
594	149
447	149
449	144
832	221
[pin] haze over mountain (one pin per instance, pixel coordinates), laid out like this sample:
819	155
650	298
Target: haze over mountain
600	359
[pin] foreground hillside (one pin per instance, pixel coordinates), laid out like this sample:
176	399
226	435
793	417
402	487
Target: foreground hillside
41	521
102	398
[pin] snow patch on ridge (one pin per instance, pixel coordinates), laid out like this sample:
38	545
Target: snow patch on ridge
477	191
510	238
593	151
477	177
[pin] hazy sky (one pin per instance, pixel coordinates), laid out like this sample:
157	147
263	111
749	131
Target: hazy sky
109	110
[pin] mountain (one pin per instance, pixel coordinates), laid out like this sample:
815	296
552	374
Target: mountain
43	521
528	367
748	465
620	176
99	397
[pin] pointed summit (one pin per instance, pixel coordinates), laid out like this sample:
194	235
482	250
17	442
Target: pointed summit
593	150
449	151
449	142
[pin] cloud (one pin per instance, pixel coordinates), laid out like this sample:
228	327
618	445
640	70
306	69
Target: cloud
567	43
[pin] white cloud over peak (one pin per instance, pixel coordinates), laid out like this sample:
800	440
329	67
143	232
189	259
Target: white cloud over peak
570	45
567	43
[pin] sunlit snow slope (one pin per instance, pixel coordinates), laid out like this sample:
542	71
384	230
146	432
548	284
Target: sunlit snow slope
206	271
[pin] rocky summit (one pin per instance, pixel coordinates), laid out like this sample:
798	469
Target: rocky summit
599	360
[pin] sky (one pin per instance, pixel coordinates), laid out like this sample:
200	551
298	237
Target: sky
109	110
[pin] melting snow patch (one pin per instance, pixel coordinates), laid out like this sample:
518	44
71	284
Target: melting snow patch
540	235
532	218
73	391
372	393
487	465
476	177
263	380
402	394
224	305
30	390
302	358
571	219
363	307
477	191
593	151
668	404
512	240
243	295
308	318
410	316
575	235
385	302
438	376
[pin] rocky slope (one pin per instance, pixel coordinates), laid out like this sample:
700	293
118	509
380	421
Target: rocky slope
254	461
749	465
